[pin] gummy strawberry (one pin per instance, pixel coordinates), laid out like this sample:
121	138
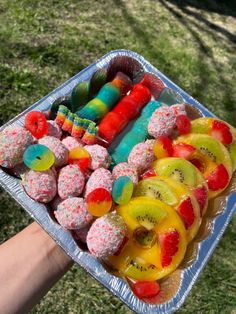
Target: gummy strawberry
183	150
201	195
183	124
146	289
148	173
169	243
186	212
36	123
163	147
218	179
221	132
153	83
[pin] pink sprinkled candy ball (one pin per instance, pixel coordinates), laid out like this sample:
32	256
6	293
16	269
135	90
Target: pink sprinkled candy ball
59	150
141	156
41	186
13	142
70	181
179	109
71	142
72	213
106	235
100	178
99	155
162	122
54	129
124	169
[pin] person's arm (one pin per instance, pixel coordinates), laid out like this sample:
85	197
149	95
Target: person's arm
30	264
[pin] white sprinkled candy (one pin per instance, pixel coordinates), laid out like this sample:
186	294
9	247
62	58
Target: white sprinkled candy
71	142
59	150
70	181
162	122
124	169
99	155
106	235
13	142
100	178
54	129
141	156
72	213
179	109
40	185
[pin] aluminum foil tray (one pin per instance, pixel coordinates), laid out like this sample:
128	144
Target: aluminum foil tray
63	238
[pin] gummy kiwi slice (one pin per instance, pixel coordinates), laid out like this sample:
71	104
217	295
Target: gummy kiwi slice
207	145
232	152
140	270
178	169
156	188
147	215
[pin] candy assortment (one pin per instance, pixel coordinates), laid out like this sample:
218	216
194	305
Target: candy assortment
137	205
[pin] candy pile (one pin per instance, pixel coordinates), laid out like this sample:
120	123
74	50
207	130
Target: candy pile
139	204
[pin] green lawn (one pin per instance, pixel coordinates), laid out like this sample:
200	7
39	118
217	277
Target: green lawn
43	43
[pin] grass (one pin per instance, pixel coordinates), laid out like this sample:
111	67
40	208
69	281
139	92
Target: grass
43	43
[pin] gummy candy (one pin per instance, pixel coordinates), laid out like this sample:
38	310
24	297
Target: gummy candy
38	157
81	157
122	190
99	202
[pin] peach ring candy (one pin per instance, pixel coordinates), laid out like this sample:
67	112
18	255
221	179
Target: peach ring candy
80	157
36	123
99	202
210	156
38	157
157	240
184	172
178	196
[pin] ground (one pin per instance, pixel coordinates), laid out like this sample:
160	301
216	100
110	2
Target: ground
43	43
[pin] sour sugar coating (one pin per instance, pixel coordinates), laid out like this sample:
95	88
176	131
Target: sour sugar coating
41	186
100	178
106	235
99	155
54	129
124	169
179	109
71	142
13	142
70	181
162	122
141	156
59	150
72	213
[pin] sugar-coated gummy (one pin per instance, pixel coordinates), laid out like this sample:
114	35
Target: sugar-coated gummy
106	235
70	181
100	178
142	155
162	122
99	155
54	129
59	150
40	186
72	213
13	142
124	169
71	142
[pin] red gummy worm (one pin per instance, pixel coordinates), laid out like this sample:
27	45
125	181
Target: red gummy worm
126	110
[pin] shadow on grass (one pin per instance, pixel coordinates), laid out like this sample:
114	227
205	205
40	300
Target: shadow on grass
183	6
206	58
